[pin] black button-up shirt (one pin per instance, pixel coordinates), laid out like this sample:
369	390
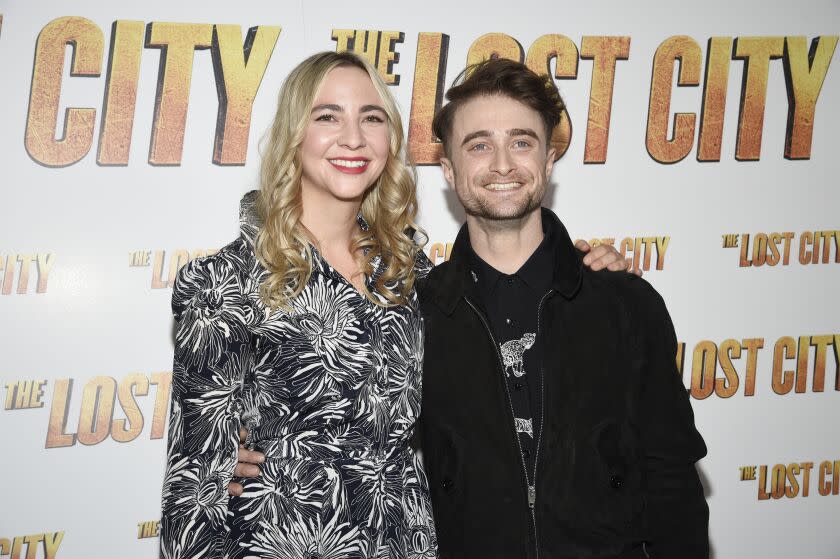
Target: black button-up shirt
511	303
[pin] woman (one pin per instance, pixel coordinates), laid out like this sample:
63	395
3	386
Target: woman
306	330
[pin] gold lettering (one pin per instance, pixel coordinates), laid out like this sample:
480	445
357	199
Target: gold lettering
426	97
604	52
727	387
806	238
821	343
756	52
40	137
752	345
97	410
23	275
387	57
687	52
121	432
56	435
783	380
45	263
239	69
120	93
565	52
163	381
703	370
177	43
802	363
714	99
661	248
804	74
51	543
494	45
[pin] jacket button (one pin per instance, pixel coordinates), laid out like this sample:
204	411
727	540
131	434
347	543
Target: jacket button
448	485
616	481
517	386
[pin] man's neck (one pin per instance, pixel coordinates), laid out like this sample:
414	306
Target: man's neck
506	244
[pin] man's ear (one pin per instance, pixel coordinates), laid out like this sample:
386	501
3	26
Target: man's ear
549	161
448	173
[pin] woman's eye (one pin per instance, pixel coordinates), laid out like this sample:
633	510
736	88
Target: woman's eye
374	118
325	118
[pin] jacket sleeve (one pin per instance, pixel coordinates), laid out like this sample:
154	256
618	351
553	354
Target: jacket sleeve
677	513
211	354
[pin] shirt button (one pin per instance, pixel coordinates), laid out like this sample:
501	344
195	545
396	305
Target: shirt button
510	281
517	386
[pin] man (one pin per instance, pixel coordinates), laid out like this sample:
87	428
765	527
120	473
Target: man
554	423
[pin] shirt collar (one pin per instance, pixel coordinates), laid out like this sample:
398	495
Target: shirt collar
536	272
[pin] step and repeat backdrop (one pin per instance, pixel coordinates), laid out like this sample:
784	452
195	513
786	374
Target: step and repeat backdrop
701	141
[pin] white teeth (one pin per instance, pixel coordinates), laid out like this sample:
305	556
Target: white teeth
502	185
346	163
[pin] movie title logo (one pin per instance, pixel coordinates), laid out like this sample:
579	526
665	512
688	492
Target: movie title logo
35	545
24	394
644	252
772	249
148	529
793	480
798	365
240	64
165	265
102	399
25	273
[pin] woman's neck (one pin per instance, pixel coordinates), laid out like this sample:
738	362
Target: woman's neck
331	222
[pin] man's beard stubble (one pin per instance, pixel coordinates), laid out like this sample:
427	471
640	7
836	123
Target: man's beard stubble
480	207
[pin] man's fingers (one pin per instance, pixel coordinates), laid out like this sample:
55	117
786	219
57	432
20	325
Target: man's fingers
583	245
234	489
250	456
628	265
246	470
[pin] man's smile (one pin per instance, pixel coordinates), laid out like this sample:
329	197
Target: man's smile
501	186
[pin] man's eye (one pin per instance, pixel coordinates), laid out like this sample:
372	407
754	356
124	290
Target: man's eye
479	147
521	144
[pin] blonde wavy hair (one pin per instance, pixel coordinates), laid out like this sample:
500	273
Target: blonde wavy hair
389	206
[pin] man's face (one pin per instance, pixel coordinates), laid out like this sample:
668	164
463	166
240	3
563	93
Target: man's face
498	163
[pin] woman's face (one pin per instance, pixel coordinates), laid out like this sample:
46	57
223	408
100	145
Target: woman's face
347	137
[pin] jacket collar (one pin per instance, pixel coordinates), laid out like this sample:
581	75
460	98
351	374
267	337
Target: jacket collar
451	282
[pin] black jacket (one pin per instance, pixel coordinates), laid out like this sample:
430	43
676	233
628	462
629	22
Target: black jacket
615	473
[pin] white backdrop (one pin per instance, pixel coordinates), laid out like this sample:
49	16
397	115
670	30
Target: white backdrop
87	247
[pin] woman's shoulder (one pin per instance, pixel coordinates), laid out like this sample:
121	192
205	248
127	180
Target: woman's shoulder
224	272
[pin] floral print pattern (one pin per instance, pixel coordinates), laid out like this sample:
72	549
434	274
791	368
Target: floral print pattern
330	392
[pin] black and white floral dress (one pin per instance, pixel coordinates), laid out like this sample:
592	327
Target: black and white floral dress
330	392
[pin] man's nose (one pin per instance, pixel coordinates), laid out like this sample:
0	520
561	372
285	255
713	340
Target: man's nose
502	162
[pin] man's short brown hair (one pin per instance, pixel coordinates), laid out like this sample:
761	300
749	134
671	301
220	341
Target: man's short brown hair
499	76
